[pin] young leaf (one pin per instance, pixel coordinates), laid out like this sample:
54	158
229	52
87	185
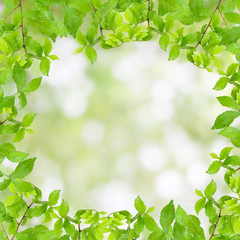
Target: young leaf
22	100
4	184
139	205
231	36
227	102
19	76
28	119
210	189
47	47
81	38
23	186
230	132
150	223
225	119
167	216
181	216
53	197
214	167
63	209
164	41
33	85
91	54
3	45
200	204
45	66
17	156
225	152
174	52
23	168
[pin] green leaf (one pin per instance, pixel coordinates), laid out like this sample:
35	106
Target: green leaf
227	102
72	20
22	100
164	41
63	209
234	48
33	85
196	7
23	168
230	132
181	216
17	156
6	75
232	69
150	223
210	189
23	186
139	205
225	119
58	225
232	17
225	152
231	36
19	76
200	204
45	66
19	135
92	33
138	225
214	155
28	119
3	46
210	210
81	38
198	193
47	47
91	53
232	160
174	53
167	216
53	197
4	184
214	167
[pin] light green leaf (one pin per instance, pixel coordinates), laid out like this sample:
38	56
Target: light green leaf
4	184
225	152
181	216
227	102
232	69
45	66
225	119
6	75
23	186
91	53
81	38
53	197
47	47
231	36
33	85
150	223
230	132
174	53
17	156
23	168
19	135
200	204
19	76
232	17
210	189
3	46
22	100
139	205
164	41
63	209
214	167
167	216
28	119
234	48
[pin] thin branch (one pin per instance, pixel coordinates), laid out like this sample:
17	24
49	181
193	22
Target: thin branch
1	123
222	17
5	232
23	217
215	225
209	23
148	21
95	11
79	230
22	26
13	10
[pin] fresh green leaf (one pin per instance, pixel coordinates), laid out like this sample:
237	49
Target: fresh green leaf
63	209
28	119
227	102
19	76
45	66
139	205
214	167
53	197
210	189
33	85
91	53
174	52
225	119
167	216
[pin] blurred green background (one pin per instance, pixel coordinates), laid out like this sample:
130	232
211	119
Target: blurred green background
131	124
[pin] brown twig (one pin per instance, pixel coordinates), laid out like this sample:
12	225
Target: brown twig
22	26
1	123
215	225
148	20
209	23
5	232
95	11
23	217
79	230
13	10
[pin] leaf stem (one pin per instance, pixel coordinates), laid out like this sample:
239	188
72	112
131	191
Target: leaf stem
148	20
21	220
215	224
209	23
95	11
5	232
